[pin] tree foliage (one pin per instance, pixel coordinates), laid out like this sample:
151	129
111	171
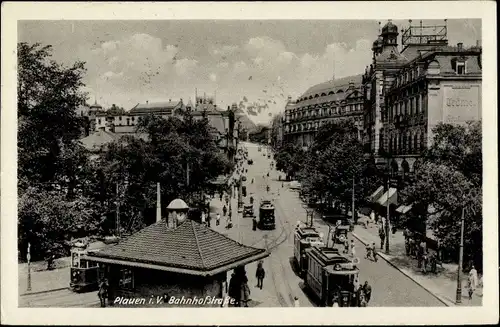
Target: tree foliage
47	220
290	158
48	94
449	179
335	162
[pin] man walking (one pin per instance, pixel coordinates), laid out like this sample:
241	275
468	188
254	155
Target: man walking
254	223
217	219
367	291
381	234
260	274
103	292
224	210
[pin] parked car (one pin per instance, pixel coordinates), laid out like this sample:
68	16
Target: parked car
248	210
250	161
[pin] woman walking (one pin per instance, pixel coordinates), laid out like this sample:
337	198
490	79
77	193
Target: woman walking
260	274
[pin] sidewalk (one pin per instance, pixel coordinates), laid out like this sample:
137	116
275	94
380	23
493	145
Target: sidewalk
43	280
442	285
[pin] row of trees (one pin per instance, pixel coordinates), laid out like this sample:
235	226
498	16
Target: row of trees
447	179
67	192
331	166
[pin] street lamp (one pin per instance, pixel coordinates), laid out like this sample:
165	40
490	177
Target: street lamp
460	259
28	256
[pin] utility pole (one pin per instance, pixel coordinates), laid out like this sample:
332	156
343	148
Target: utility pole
460	260
187	173
353	201
117	211
387	221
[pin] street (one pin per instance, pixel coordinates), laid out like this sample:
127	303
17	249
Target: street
390	287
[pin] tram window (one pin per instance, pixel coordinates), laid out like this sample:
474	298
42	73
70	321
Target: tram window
84	264
74	260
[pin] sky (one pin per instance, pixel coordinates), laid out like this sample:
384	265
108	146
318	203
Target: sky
262	62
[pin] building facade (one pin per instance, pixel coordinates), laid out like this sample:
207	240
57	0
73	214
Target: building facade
332	101
408	92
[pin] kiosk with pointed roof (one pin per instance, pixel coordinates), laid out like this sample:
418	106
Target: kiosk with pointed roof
175	258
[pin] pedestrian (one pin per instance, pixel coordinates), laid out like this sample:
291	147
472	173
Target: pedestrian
356	292
346	243
353	249
50	260
254	223
472	281
229	223
372	217
209	219
224	210
203	218
296	302
433	262
335	302
260	274
367	290
103	292
424	262
217	219
233	291
381	234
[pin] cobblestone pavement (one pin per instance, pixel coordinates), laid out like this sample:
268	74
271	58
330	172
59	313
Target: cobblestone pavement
443	284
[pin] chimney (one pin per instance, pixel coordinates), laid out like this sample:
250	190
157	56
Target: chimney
147	101
158	202
351	84
289	98
478	43
460	46
172	219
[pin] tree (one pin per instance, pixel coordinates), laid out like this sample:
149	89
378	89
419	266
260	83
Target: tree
336	161
48	95
449	179
47	221
136	165
290	159
115	110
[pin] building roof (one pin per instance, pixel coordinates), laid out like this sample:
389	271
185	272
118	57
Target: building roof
155	107
333	85
97	139
191	246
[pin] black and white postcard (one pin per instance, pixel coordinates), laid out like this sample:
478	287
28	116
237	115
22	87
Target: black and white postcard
262	163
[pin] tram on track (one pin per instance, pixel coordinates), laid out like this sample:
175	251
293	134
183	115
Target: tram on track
266	215
304	238
84	274
330	275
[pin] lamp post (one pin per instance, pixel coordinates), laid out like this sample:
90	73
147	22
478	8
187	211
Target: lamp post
458	299
28	256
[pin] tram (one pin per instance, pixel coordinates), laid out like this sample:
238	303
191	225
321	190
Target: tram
266	215
84	274
305	237
330	275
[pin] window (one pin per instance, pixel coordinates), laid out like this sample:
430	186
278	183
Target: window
460	68
126	280
120	118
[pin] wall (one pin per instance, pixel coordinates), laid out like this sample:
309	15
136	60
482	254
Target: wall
154	285
454	102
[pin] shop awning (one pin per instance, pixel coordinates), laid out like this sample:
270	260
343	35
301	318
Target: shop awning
390	196
404	208
376	195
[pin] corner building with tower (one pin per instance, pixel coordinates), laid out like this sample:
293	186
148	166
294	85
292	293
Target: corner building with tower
408	92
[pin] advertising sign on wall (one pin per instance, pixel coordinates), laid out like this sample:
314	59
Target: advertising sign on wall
461	104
